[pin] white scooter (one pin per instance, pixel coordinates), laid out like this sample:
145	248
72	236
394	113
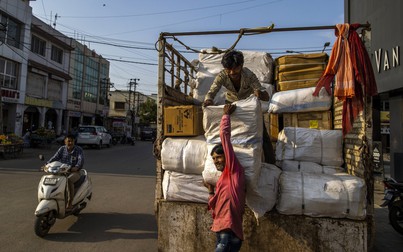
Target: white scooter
52	196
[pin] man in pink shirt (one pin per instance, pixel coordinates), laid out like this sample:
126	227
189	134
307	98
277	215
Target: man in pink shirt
227	202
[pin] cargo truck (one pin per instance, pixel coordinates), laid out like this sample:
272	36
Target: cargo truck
185	226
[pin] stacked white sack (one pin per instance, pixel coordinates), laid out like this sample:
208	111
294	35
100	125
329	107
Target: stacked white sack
184	187
302	144
322	195
303	166
246	122
299	100
209	65
246	138
264	198
185	155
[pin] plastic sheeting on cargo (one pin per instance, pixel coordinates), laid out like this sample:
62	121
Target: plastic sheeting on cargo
299	100
264	198
209	65
302	144
184	187
185	155
303	166
322	195
246	122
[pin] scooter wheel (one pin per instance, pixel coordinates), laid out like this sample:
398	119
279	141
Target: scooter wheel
43	224
396	219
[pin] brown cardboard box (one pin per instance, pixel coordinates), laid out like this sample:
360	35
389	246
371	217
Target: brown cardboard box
274	126
183	121
312	120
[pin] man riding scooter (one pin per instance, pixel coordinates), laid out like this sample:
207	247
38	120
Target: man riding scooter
74	156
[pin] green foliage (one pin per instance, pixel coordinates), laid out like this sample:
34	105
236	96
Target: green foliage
148	112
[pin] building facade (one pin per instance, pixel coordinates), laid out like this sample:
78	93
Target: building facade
385	42
15	24
47	79
87	101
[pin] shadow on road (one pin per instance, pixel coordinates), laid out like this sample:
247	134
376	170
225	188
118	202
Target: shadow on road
88	228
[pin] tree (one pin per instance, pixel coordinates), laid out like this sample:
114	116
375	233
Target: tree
148	112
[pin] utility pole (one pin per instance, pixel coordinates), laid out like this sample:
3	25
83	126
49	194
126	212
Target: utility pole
133	83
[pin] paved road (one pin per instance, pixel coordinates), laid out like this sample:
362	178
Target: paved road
120	216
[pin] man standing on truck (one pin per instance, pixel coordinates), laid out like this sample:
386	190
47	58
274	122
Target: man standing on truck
240	83
227	201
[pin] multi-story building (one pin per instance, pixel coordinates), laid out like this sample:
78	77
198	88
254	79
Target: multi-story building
87	101
124	109
47	77
15	21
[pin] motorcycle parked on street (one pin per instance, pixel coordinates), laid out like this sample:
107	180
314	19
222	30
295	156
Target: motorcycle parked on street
52	196
393	199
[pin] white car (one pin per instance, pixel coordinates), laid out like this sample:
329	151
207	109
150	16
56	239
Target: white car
92	135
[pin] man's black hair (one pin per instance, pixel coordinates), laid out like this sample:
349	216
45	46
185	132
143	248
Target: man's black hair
70	136
218	149
232	59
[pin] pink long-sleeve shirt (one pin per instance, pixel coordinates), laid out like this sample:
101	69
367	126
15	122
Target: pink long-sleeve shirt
228	202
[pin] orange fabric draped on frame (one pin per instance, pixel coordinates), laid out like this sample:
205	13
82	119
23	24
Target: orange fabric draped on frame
350	66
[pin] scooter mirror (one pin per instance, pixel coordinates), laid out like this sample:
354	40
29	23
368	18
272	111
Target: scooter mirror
41	157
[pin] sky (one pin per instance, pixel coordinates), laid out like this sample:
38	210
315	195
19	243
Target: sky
125	31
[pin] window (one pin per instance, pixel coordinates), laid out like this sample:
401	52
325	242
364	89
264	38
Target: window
10	31
57	54
38	45
119	106
8	73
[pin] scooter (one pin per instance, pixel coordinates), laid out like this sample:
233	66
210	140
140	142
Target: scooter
393	199
52	196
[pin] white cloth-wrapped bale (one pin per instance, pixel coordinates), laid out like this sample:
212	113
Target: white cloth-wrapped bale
246	138
303	166
209	65
184	187
248	156
185	155
322	195
264	198
246	122
299	100
302	144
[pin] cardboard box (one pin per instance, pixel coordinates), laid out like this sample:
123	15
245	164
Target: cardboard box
274	126
183	121
312	120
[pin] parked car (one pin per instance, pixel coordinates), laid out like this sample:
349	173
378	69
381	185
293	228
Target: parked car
148	134
92	135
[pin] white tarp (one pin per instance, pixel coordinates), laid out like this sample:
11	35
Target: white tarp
264	198
322	195
209	65
184	187
185	155
302	144
299	100
303	166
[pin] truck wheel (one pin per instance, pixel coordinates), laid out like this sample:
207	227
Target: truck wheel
396	218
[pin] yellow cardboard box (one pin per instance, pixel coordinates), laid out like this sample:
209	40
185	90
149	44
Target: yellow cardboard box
183	121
